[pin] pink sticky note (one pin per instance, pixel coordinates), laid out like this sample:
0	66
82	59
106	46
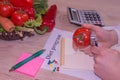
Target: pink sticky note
30	68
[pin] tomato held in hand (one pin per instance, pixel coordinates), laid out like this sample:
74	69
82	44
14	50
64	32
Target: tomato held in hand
6	9
19	18
81	37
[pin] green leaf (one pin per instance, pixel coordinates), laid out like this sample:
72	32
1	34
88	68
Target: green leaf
34	23
1	29
40	6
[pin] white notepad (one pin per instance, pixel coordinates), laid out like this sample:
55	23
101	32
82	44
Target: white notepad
74	60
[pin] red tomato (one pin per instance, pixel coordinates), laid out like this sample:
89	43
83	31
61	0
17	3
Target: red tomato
19	18
6	9
81	37
22	3
2	0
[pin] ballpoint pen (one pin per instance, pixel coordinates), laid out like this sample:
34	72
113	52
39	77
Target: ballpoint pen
27	60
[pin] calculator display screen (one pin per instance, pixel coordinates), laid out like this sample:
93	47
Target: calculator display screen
75	17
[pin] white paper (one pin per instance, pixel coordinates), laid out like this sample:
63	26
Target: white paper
53	52
74	59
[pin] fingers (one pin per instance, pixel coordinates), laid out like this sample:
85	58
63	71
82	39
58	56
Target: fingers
86	50
92	27
75	47
95	50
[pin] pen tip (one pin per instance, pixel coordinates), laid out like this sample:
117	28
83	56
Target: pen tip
12	69
43	49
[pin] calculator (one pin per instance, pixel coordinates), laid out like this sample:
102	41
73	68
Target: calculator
80	17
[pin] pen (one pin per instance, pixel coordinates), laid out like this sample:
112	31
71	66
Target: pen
27	60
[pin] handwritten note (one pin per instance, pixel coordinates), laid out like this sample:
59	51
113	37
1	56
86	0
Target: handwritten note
30	68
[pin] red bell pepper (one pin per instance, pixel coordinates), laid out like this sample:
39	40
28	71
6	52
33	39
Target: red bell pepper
48	20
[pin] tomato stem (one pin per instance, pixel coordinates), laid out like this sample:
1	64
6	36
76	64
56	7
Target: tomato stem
80	37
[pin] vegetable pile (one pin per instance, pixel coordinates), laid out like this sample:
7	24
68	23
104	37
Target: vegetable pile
19	18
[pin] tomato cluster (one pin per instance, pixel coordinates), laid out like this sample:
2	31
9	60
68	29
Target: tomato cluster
81	37
19	18
6	9
22	3
12	9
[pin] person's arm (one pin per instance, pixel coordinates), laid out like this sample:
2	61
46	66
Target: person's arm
107	36
117	29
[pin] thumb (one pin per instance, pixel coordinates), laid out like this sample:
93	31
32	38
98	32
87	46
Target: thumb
92	27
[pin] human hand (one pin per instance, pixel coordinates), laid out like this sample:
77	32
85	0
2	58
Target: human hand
106	38
107	63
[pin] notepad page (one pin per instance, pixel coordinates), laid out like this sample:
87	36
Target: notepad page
30	68
72	59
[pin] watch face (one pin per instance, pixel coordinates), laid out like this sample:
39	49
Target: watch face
93	39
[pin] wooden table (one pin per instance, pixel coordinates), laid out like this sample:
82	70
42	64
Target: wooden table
11	50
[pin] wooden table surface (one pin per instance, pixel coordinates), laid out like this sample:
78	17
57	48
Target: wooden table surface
11	50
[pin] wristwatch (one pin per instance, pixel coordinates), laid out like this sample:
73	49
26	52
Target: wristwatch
93	39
